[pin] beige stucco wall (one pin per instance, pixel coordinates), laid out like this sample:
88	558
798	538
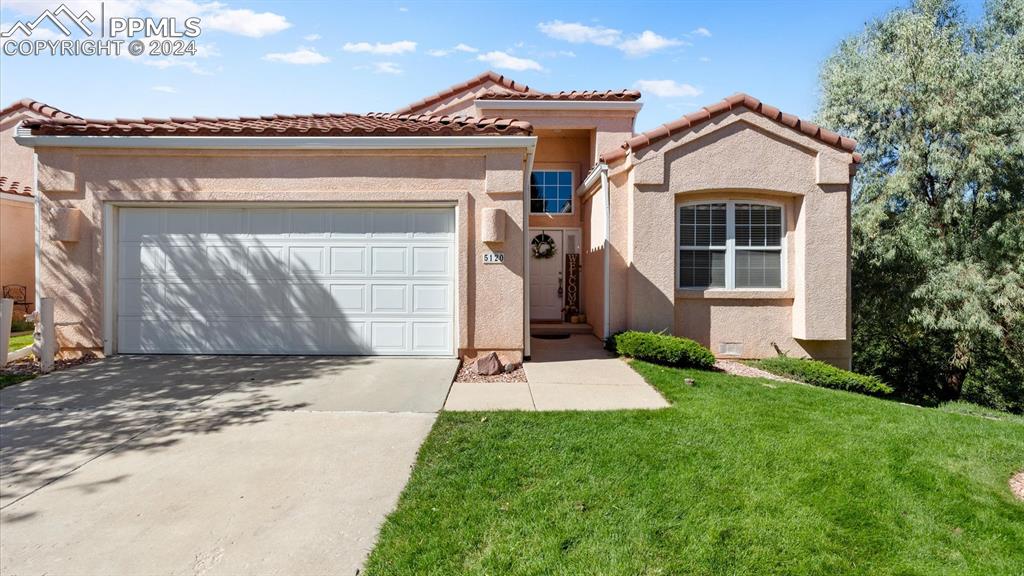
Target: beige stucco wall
17	243
17	218
568	150
15	160
490	299
741	156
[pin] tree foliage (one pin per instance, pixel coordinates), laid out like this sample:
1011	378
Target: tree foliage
937	106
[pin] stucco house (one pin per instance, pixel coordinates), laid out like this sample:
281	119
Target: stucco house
17	211
447	227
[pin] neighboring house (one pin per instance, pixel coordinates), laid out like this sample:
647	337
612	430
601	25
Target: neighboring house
17	212
423	232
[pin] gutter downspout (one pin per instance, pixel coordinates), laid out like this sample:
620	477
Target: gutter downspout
606	330
530	155
37	219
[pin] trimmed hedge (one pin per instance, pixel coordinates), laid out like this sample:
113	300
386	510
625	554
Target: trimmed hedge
825	375
663	349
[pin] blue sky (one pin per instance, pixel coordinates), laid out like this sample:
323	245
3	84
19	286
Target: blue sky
311	56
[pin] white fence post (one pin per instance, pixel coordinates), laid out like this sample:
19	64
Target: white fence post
6	315
44	345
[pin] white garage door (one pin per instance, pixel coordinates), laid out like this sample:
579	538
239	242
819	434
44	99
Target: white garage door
286	281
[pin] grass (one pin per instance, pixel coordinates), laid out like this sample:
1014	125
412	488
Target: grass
739	476
20	341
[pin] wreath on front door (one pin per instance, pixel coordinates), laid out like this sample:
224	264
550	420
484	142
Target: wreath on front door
543	246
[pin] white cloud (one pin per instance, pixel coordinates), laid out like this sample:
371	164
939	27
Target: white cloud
646	43
386	68
399	47
311	37
702	31
244	22
165	89
668	88
580	33
441	52
509	62
704	59
403	9
304	55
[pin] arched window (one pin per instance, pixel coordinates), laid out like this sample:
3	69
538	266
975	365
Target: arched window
731	245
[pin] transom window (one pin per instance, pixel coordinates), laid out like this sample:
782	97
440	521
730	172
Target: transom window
730	245
551	192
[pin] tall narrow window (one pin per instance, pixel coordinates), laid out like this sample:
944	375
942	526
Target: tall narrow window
730	245
551	192
702	246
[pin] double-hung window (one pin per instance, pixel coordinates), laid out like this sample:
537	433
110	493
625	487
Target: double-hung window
551	192
730	245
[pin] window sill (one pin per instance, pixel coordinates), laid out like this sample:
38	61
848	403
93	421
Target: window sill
723	294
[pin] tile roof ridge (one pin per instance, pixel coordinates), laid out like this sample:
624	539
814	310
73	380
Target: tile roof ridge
491	75
39	108
684	123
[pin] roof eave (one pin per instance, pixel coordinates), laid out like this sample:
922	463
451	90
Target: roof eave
280	142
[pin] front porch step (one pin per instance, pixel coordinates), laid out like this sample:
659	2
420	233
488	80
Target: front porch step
548	328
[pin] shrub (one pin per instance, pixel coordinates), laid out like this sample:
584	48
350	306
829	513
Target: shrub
824	375
664	349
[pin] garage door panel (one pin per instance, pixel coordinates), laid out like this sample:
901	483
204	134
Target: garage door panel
389	260
431	260
431	299
430	337
306	260
348	260
282	281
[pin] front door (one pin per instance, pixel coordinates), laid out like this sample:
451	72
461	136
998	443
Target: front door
546	275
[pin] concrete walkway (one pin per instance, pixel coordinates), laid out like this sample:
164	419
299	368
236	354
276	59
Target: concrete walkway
575	373
209	465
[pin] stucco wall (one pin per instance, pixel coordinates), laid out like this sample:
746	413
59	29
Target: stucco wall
17	218
17	244
562	152
744	156
490	302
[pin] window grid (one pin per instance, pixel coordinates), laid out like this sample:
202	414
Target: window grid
551	192
733	245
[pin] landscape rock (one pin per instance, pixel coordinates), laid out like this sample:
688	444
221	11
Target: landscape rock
489	365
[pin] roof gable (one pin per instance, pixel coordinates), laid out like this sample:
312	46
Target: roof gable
686	123
452	91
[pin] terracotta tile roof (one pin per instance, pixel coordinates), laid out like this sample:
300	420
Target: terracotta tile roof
592	95
487	76
377	124
645	139
39	108
8	186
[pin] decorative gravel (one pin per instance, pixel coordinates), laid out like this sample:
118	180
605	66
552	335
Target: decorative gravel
1017	485
467	373
29	367
741	369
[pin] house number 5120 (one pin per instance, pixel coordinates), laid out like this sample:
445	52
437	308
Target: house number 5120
494	257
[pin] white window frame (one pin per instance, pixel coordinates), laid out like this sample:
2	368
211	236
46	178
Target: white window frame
730	245
572	195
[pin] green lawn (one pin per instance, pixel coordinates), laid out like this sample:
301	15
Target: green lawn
20	341
739	476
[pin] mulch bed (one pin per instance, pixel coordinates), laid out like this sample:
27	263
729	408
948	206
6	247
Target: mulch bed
1017	485
29	367
741	369
467	373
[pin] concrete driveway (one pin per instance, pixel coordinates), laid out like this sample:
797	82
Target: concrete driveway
209	465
